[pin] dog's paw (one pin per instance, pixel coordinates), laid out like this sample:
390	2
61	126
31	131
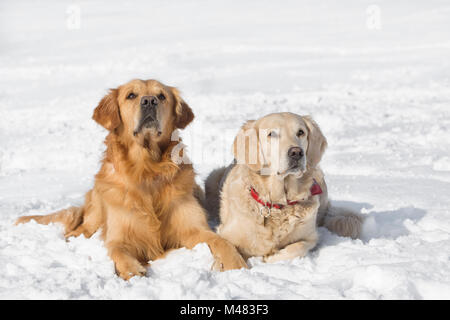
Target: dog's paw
217	265
130	268
220	265
229	261
76	233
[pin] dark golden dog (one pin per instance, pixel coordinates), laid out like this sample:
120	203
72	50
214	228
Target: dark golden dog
142	199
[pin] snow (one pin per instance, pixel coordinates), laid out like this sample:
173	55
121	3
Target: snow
379	88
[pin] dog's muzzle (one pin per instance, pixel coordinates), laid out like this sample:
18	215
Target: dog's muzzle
296	158
149	114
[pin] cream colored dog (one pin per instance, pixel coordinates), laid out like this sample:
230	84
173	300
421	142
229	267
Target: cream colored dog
274	195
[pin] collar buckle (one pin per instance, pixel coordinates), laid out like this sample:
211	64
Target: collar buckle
265	211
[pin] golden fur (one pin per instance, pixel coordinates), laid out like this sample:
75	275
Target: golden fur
292	230
142	200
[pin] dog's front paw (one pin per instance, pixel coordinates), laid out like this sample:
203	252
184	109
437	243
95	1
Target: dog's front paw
128	268
228	259
229	264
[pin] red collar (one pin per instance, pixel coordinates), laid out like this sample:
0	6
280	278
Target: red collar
315	189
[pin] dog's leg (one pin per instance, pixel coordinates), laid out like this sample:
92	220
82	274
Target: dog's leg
93	217
125	264
188	227
294	250
132	239
225	254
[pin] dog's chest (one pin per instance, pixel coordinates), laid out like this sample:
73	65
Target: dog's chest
285	226
283	222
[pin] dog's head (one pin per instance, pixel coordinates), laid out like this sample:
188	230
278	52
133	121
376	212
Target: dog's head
144	111
280	143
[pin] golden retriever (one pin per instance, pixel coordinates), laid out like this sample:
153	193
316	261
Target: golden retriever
142	199
274	195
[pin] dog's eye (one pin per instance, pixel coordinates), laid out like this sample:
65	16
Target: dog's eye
131	96
300	133
162	97
272	134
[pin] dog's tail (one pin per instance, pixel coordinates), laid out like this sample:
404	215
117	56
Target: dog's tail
70	218
342	221
213	186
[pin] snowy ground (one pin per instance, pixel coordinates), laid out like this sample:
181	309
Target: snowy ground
379	88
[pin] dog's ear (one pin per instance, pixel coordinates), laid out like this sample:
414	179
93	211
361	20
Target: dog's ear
107	111
246	148
183	112
317	143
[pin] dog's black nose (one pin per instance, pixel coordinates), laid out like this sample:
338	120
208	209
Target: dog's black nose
295	153
148	101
